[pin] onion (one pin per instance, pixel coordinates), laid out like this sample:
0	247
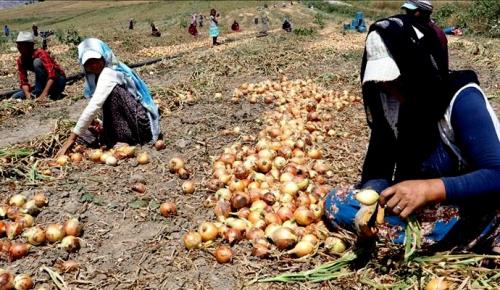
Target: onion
17	200
239	224
6	280
302	249
12	230
35	236
95	155
285	177
320	167
223	254
54	233
13	212
241	172
285	213
208	231
143	158
111	160
192	240
335	245
175	164
367	196
303	200
254	193
76	157
160	145
104	156
4	246
168	209
260	224
270	229
272	218
310	238
233	235
25	221
40	199
70	244
188	187
222	209
255	234
3	210
243	213
214	184
303	216
139	187
183	173
283	238
269	198
236	185
290	188
260	251
240	199
303	183
228	158
2	228
258	205
18	251
264	165
30	208
62	160
437	284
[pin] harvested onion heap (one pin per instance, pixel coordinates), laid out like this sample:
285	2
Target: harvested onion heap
17	224
270	190
110	157
18	282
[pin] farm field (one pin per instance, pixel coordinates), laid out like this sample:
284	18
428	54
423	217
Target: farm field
214	101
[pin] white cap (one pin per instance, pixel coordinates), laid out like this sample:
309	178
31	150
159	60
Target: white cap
425	5
25	36
90	54
380	66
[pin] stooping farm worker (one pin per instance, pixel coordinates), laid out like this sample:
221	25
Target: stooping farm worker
50	79
433	153
129	114
192	27
213	28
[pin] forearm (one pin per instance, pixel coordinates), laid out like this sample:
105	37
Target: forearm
479	184
26	90
46	90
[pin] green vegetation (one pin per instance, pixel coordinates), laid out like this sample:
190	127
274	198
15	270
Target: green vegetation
304	31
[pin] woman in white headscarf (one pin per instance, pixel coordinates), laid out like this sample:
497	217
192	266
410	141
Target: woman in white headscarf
129	114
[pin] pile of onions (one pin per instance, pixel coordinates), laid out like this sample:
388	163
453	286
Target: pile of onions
17	220
18	282
270	189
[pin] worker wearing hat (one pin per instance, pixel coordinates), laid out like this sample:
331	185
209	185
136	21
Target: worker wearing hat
50	79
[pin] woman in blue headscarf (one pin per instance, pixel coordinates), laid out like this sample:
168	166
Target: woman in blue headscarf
129	114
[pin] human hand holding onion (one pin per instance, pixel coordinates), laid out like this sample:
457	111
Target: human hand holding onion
407	196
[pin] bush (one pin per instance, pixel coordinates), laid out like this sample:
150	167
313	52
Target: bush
69	36
302	31
319	19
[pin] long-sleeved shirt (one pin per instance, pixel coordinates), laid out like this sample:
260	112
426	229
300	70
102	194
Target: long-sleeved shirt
469	164
49	63
108	79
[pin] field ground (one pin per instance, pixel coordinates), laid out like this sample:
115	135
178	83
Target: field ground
127	243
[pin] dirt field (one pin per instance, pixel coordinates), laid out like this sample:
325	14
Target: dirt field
127	244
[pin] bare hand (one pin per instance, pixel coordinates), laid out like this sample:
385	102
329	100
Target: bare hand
65	147
42	98
407	196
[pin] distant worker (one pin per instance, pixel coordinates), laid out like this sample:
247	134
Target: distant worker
119	95
154	31
287	26
50	79
35	29
235	27
213	29
6	31
264	17
131	23
192	27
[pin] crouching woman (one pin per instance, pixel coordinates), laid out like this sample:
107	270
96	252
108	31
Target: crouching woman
129	114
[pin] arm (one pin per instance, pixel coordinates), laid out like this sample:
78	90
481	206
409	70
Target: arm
478	140
45	92
23	79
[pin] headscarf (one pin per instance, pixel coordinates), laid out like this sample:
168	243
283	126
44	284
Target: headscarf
135	85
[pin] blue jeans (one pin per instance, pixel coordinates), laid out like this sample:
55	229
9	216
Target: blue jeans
41	78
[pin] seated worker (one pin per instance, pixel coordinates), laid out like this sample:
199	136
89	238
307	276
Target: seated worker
433	153
154	31
287	26
129	114
235	27
50	79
